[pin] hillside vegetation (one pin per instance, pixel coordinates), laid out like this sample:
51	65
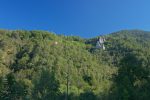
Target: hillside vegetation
39	65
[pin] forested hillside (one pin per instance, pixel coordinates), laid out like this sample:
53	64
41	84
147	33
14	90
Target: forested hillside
39	65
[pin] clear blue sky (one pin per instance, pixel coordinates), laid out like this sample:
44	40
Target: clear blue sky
86	18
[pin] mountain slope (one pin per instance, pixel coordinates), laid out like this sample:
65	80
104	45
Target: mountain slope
39	64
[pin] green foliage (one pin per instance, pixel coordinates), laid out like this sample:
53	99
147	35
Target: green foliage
46	86
87	96
11	89
36	65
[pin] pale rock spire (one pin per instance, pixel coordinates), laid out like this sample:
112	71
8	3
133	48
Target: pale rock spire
100	43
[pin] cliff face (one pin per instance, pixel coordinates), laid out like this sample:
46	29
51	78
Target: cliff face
100	43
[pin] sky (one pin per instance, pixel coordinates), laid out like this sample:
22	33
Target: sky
85	18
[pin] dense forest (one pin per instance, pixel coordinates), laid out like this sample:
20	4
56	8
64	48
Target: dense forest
40	65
